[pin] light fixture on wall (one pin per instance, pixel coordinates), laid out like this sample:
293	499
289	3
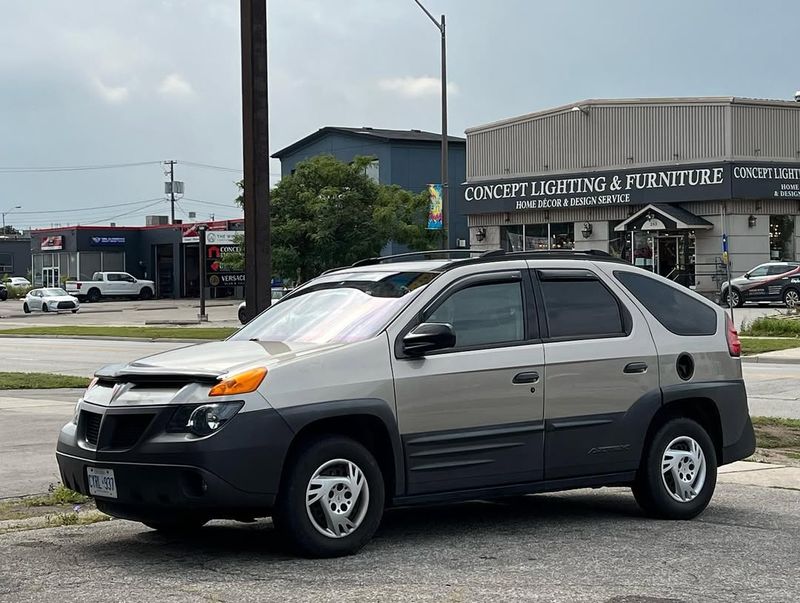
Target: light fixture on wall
480	234
586	231
751	221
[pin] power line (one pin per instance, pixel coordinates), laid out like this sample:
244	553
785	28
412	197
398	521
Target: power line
211	167
228	205
72	168
79	209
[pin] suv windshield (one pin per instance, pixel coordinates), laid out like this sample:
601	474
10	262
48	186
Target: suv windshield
339	308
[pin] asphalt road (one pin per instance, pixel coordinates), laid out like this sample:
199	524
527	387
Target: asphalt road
580	546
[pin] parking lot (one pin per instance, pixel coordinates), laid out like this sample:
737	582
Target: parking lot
576	546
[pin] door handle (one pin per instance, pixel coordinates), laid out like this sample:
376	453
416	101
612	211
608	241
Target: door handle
635	367
530	377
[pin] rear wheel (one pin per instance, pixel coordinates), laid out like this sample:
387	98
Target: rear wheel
791	298
332	498
93	295
243	315
678	474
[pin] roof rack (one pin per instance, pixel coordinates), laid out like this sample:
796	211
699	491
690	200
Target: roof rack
446	254
556	254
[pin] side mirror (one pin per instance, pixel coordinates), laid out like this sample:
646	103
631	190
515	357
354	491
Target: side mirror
427	337
746	275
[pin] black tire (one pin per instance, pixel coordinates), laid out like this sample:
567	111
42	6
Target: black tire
93	295
26	309
146	293
242	315
652	491
791	297
45	308
291	517
738	302
74	311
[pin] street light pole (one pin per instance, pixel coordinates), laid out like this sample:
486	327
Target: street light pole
9	211
440	25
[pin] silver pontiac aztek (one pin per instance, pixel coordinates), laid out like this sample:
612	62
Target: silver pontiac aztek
398	382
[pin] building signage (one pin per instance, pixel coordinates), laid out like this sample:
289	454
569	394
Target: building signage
216	237
226	279
708	182
53	243
108	241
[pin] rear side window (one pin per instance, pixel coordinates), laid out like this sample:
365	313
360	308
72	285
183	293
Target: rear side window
677	311
578	307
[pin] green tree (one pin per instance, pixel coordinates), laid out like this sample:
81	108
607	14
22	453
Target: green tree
329	213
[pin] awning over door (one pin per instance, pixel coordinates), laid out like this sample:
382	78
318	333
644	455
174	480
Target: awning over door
662	216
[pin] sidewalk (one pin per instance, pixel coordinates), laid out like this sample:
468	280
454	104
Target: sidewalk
760	474
790	356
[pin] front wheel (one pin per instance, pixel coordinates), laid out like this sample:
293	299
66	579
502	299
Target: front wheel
734	299
332	498
146	293
26	308
791	298
45	308
678	474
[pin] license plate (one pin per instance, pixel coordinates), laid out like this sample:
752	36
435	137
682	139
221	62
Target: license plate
101	482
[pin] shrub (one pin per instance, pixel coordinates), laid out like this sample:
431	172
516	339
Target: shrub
768	326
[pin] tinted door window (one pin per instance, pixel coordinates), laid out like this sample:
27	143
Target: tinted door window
484	314
676	310
580	308
779	269
758	272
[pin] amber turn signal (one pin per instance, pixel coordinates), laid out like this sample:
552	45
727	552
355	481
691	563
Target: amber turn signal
240	383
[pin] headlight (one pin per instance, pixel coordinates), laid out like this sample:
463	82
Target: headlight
204	419
239	383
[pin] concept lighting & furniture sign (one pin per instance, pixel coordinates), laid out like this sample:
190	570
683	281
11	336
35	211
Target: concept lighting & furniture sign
641	186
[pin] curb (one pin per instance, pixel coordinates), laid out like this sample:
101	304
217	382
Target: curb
107	337
769	360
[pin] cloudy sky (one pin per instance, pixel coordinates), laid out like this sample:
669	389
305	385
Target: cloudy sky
93	83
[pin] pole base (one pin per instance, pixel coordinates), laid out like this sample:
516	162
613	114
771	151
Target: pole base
202	317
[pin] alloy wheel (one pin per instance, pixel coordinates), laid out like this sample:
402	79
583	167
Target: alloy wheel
792	298
683	469
337	498
733	298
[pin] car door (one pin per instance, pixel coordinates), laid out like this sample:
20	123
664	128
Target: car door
35	300
601	373
128	284
754	288
472	416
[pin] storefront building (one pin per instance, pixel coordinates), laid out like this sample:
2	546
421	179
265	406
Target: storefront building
164	253
656	181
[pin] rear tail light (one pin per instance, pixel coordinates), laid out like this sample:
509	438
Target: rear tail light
78	285
734	345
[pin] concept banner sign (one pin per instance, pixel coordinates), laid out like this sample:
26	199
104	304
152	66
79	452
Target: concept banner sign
435	211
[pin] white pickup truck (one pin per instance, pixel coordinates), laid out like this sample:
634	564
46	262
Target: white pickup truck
110	284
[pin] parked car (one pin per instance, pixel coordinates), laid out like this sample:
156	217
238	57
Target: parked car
418	382
17	281
50	299
111	284
773	281
242	311
3	292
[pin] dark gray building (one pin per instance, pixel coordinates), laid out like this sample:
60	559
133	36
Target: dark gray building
408	158
657	181
15	255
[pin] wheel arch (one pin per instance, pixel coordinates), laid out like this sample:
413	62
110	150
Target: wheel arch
369	422
703	410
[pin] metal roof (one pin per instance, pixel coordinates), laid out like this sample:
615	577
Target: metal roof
612	102
379	134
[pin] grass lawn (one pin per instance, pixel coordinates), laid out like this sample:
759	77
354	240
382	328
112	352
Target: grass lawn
752	345
39	381
769	326
145	332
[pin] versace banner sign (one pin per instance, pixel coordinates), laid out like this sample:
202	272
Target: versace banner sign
707	182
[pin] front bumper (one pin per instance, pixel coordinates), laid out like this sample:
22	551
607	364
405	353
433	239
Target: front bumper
233	473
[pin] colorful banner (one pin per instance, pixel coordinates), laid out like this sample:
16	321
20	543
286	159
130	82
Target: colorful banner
435	211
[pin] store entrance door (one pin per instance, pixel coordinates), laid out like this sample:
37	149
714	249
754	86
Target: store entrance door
667	257
50	277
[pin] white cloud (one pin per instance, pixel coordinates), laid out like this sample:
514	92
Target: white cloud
176	86
416	87
112	94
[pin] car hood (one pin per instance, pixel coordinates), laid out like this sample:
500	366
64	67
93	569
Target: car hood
211	360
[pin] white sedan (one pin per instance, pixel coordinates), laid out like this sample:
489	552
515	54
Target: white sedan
50	299
17	281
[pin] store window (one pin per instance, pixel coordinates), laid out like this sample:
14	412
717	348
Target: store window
619	243
781	237
90	263
511	238
535	237
562	235
6	263
113	262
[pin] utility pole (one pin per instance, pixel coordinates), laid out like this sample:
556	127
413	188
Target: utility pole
440	25
255	131
171	164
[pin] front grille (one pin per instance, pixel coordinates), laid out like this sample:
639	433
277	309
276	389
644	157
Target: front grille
66	305
91	426
125	430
